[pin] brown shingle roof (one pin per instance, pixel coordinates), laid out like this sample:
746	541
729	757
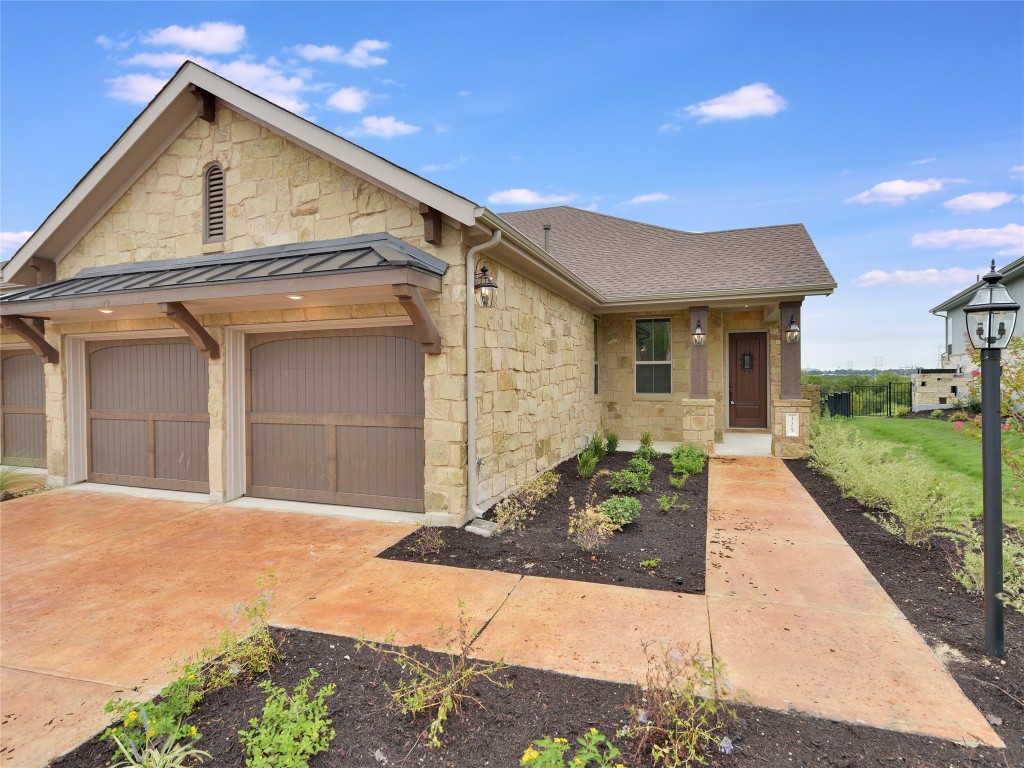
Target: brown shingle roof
623	258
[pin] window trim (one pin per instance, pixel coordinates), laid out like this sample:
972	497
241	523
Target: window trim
668	362
207	207
597	367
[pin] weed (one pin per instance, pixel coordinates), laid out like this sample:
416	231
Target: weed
627	481
13	481
612	440
594	750
620	510
687	459
428	541
654	562
586	464
666	502
292	729
678	714
142	726
437	689
677	481
246	650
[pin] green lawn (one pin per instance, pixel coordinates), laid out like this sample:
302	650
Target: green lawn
955	455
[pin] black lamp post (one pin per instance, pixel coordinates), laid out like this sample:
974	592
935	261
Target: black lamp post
991	315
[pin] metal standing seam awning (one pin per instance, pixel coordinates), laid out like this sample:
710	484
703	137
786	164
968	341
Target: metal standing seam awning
370	268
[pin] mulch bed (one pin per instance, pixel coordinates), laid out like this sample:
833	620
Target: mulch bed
542	549
546	703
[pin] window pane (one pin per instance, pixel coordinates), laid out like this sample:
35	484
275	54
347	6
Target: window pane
662	378
644	379
653	379
644	340
662	339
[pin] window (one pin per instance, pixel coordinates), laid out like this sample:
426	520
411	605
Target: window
213	204
653	356
596	339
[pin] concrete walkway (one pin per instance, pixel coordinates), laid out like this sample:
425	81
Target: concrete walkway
104	596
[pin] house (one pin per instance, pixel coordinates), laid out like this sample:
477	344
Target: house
237	303
947	385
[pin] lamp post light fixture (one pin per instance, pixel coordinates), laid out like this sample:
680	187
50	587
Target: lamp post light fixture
485	288
699	337
793	331
991	315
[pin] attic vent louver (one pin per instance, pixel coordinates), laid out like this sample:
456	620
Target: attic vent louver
213	204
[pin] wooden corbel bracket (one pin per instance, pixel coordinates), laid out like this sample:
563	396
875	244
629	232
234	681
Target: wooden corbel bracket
184	319
426	332
33	334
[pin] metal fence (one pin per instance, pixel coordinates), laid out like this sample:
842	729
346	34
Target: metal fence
868	400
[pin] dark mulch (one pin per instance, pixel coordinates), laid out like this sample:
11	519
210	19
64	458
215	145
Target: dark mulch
545	703
542	549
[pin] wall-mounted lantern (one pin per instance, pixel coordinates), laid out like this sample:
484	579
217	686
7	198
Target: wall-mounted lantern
793	332
699	337
485	288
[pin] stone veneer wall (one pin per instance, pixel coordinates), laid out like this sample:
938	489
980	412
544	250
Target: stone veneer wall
933	391
791	446
534	381
277	193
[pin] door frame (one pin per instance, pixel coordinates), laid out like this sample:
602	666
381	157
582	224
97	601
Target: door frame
727	358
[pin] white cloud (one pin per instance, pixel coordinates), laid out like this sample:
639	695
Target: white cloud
898	191
268	80
12	241
924	161
349	100
167	61
753	100
1017	169
979	201
464	93
1009	239
592	207
383	127
669	128
361	54
208	37
135	89
110	44
653	197
521	196
433	167
951	276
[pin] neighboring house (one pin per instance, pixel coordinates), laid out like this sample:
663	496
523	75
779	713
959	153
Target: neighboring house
948	385
236	302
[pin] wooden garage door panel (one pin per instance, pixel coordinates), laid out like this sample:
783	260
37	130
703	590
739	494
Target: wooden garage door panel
338	418
149	423
22	409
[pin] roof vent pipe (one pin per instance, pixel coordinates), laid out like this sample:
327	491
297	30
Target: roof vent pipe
547	234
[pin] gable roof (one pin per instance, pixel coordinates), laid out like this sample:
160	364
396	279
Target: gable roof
1011	271
163	120
621	258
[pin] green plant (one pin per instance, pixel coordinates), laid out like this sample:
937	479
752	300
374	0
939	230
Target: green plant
677	481
969	565
937	413
292	729
641	466
514	511
594	750
13	480
646	439
613	441
246	649
620	510
429	540
628	481
140	726
687	459
654	562
586	464
679	712
437	688
666	502
165	752
646	452
900	411
597	446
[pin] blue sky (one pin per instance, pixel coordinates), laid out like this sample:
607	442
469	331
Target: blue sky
894	131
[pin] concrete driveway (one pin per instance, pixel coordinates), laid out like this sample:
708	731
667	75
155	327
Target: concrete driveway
103	596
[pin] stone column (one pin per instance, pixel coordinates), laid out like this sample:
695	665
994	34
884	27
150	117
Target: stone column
699	355
790	352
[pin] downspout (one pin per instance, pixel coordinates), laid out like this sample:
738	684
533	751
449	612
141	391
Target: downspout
471	459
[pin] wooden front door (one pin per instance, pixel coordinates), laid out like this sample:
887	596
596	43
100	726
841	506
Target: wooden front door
748	380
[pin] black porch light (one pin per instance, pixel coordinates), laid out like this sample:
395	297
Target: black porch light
991	315
699	337
793	331
485	288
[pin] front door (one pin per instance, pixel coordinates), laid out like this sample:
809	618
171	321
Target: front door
748	381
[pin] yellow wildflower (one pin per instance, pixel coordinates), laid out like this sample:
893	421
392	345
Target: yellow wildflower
191	676
132	717
193	732
577	761
529	756
593	730
559	740
152	733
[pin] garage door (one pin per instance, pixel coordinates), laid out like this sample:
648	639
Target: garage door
337	418
149	424
22	409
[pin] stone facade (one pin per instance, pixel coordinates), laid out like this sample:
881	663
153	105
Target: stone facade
787	414
937	389
534	382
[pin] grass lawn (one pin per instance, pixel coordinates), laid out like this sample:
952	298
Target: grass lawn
956	455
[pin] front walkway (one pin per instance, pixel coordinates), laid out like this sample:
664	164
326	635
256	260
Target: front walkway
103	596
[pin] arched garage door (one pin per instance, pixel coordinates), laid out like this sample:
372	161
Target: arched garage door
149	422
336	418
22	409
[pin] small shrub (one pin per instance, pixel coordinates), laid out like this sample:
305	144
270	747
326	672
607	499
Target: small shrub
292	729
654	562
937	413
613	441
646	452
641	466
666	502
621	510
438	688
678	714
900	411
687	459
429	540
969	565
514	511
646	439
597	446
628	481
595	750
586	464
541	486
162	753
677	481
589	528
